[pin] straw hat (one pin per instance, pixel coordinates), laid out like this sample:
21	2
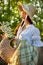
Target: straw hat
30	9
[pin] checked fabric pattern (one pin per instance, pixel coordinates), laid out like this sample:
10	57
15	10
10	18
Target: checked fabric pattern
27	54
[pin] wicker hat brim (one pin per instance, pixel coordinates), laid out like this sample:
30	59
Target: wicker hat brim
20	6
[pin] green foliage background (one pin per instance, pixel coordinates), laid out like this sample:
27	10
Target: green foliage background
9	13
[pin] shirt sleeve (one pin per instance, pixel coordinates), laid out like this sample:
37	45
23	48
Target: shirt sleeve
36	39
36	34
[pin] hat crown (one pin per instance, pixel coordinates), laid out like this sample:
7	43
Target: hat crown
31	9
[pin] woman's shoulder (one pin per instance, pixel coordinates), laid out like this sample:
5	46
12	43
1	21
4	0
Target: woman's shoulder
35	30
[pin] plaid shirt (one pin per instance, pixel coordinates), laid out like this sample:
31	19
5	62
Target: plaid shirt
25	54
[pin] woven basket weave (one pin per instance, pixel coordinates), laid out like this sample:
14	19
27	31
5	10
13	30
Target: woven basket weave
6	51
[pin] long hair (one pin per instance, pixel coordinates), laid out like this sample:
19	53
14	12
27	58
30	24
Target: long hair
29	20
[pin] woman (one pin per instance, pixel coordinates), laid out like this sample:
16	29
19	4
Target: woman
26	52
30	34
26	13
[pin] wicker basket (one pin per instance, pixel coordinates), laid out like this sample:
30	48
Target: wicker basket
6	51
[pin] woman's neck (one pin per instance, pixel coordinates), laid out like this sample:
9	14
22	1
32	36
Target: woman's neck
27	24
